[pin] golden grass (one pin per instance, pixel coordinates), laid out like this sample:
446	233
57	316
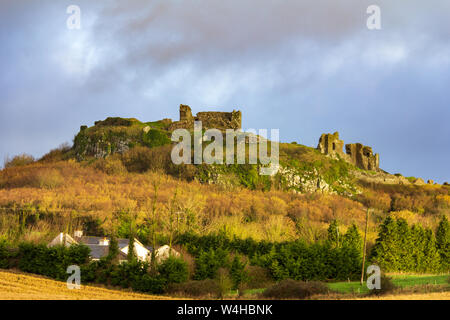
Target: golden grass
413	296
21	286
68	190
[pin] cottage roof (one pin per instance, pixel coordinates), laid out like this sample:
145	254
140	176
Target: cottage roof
100	251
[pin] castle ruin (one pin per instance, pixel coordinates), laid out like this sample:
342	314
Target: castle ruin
210	120
355	153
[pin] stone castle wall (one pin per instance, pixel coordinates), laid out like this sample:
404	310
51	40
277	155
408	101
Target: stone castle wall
355	153
210	120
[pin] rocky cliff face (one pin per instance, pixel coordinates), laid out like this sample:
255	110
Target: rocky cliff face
118	135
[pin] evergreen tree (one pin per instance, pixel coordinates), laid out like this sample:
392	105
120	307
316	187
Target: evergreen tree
443	243
432	259
333	233
417	248
237	272
131	255
385	251
404	246
353	239
113	252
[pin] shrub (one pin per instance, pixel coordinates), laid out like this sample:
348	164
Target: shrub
155	138
57	154
224	282
257	277
196	288
208	263
48	178
288	288
6	255
386	286
124	274
150	284
19	160
115	121
110	165
174	270
53	261
141	159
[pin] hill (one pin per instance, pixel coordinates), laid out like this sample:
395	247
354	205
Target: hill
302	222
71	187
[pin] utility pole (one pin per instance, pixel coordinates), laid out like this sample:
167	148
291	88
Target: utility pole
364	250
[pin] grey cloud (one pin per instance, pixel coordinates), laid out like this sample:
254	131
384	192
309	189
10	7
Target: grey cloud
305	67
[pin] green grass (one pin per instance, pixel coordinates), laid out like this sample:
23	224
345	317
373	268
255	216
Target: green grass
413	280
399	280
348	287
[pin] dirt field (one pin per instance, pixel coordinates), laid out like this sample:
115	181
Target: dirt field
20	286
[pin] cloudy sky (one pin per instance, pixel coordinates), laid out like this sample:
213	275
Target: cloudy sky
304	66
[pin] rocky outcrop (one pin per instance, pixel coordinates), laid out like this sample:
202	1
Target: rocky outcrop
380	177
359	155
419	182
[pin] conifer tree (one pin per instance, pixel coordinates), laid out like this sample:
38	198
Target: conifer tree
404	245
443	243
237	272
113	249
131	255
417	248
385	250
432	259
333	233
352	238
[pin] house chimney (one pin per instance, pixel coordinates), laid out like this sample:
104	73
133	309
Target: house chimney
104	242
78	233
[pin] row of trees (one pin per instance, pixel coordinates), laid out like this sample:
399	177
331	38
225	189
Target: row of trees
400	247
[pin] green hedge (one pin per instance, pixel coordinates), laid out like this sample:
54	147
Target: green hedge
53	262
296	259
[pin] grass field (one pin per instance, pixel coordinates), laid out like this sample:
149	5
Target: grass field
21	286
401	281
344	290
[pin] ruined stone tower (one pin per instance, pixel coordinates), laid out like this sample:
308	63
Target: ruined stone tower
186	113
362	156
355	153
331	145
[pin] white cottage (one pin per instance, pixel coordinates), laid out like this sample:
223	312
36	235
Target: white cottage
100	246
